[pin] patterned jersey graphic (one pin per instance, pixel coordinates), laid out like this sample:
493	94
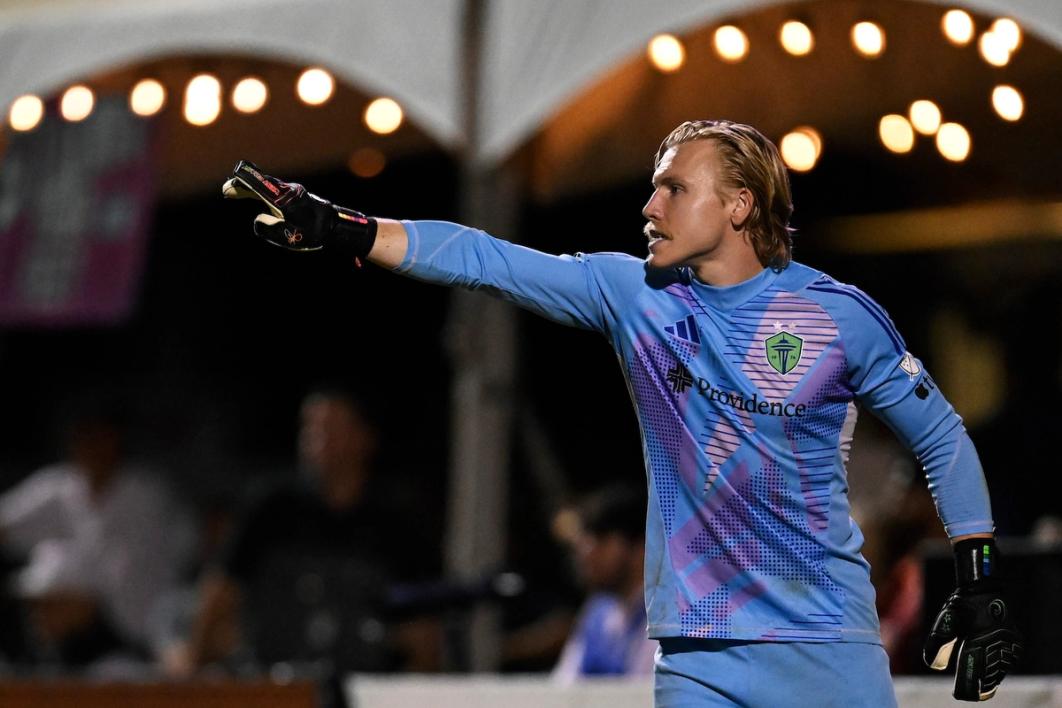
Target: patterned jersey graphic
748	531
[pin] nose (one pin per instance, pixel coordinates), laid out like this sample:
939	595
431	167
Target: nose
651	210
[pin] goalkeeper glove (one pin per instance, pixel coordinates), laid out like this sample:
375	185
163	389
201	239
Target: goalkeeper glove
299	220
977	619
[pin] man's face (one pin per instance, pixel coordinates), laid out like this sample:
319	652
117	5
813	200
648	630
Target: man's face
332	436
603	560
688	218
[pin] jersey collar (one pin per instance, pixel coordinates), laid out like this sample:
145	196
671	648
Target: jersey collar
731	296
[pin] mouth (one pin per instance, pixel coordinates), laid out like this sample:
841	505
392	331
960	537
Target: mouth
654	236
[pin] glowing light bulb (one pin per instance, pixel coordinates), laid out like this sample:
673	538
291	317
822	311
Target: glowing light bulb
1008	32
315	86
731	44
26	113
77	103
383	116
249	95
801	148
869	39
202	100
925	117
666	53
953	142
1008	102
367	162
994	49
896	133
796	38
147	97
958	27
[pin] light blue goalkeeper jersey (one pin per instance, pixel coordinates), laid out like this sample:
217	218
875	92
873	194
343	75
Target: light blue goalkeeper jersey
746	400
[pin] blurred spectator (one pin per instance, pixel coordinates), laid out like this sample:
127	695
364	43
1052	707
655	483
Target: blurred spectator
899	576
1047	532
608	540
98	541
305	574
895	512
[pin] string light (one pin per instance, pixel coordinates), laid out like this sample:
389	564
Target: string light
1008	32
367	162
1008	102
202	100
896	133
953	142
731	44
796	38
869	39
250	95
147	97
383	116
77	103
315	86
801	148
925	117
666	53
958	27
26	113
994	49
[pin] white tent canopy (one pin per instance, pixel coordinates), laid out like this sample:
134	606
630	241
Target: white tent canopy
536	55
403	48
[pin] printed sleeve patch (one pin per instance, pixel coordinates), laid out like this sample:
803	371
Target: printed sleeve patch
909	365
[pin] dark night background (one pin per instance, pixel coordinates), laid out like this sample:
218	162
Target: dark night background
228	333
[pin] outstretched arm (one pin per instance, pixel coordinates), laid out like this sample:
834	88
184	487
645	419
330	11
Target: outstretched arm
561	288
391	243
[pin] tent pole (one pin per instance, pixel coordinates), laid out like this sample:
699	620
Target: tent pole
481	344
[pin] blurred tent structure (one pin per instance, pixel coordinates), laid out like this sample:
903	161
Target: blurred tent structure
539	65
551	98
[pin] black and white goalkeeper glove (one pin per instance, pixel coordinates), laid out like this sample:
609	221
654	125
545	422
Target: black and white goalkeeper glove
299	220
975	625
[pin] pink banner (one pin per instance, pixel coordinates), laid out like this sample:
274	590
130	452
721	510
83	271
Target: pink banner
75	206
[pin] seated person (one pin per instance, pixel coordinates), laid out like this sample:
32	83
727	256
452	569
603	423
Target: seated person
99	539
609	547
305	574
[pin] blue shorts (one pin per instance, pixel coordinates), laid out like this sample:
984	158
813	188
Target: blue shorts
721	672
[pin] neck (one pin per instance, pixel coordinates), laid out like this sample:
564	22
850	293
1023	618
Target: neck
729	270
344	489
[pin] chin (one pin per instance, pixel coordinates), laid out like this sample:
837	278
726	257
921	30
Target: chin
659	262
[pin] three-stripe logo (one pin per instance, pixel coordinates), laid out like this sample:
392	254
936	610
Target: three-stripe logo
685	329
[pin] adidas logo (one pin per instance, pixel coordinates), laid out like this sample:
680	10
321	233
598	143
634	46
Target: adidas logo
686	330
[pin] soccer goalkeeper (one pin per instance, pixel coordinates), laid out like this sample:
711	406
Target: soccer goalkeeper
745	369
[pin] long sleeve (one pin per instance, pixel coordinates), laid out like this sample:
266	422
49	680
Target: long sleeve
37	509
895	386
565	289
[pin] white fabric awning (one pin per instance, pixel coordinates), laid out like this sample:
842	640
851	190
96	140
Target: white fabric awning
536	55
402	48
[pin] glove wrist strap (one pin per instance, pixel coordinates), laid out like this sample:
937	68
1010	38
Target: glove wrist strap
353	234
976	562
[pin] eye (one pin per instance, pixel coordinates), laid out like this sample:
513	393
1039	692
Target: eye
674	189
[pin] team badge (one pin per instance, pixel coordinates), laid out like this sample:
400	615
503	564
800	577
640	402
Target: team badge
783	351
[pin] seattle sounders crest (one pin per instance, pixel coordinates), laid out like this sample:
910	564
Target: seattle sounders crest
783	351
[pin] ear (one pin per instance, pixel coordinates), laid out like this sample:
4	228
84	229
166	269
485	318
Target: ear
741	208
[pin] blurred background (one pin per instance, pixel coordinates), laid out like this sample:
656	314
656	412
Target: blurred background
923	140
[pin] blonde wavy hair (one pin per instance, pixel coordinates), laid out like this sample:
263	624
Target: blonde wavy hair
749	161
